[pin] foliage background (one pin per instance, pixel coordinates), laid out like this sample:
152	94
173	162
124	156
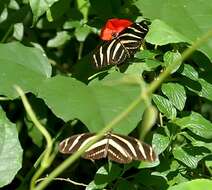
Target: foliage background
46	48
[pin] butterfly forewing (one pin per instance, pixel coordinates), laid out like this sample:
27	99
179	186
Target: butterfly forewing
74	143
110	53
121	47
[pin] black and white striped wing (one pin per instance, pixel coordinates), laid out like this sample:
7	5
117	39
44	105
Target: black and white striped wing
118	148
135	149
132	38
76	142
110	53
122	47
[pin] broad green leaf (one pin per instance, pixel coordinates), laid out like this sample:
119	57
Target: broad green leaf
195	184
170	57
61	38
190	72
71	99
39	7
165	106
113	95
175	93
23	66
197	124
10	150
192	19
161	33
190	155
105	175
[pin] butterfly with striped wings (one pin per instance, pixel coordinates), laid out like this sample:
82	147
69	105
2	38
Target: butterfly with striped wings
118	148
124	45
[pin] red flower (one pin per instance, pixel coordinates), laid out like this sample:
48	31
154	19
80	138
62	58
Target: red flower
113	27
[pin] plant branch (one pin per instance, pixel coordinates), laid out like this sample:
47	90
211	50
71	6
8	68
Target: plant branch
63	179
46	160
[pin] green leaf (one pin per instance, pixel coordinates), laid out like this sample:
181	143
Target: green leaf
14	5
208	164
170	57
145	54
113	95
176	94
165	106
10	151
196	184
192	20
161	33
71	24
190	155
190	72
70	99
201	87
140	67
82	32
197	124
3	15
104	176
160	141
18	31
23	66
61	38
206	90
39	7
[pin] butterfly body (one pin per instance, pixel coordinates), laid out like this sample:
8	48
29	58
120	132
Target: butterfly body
122	47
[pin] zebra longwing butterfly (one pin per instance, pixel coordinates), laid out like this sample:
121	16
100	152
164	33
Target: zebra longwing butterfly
118	148
121	47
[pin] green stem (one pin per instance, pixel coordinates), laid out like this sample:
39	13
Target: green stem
46	157
152	87
81	45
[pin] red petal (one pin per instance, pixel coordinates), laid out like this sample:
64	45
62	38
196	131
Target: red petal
113	27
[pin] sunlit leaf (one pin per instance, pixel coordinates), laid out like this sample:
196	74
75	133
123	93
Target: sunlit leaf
160	34
176	94
23	66
192	20
195	184
165	106
197	124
